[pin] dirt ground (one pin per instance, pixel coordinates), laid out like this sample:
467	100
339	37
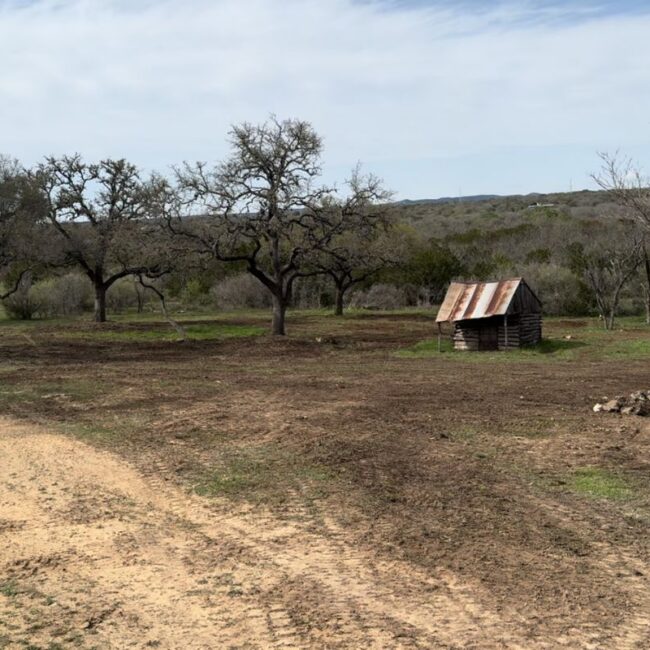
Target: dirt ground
318	492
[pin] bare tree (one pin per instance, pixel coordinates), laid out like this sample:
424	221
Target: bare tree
642	280
351	261
107	219
630	188
262	206
607	268
627	185
646	284
362	245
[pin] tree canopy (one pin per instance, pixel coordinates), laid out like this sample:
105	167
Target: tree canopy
264	206
107	219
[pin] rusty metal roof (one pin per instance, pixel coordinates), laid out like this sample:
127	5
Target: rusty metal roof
470	300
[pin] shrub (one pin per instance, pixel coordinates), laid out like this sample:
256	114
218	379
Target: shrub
561	292
21	304
313	292
380	296
241	291
195	294
122	296
67	295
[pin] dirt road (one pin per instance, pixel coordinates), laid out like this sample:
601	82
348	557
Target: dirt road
95	554
99	555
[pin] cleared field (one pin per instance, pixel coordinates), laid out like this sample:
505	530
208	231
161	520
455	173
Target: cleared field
346	487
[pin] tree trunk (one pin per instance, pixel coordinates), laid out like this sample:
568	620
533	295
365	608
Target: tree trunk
615	301
139	296
279	311
100	303
646	265
340	293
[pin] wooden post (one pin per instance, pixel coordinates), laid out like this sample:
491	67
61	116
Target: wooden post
505	327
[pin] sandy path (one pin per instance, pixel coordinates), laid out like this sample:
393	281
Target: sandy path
96	554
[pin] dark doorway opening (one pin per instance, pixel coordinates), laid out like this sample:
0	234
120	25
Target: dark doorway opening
488	338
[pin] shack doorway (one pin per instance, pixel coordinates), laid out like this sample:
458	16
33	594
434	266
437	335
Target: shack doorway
488	338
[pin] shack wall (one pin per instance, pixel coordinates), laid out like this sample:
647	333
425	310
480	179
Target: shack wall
530	328
465	337
521	330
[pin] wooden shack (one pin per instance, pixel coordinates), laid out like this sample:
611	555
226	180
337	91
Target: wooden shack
492	315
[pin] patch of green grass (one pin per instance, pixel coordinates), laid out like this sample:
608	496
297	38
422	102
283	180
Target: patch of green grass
428	348
528	430
265	474
628	349
106	430
460	434
180	314
238	476
8	589
195	332
18	325
600	483
75	390
95	433
426	312
547	349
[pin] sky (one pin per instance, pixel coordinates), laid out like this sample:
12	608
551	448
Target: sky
438	97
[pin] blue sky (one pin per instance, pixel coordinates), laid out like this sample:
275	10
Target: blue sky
437	97
570	9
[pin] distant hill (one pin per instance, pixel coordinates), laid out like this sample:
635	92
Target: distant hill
449	199
444	217
478	198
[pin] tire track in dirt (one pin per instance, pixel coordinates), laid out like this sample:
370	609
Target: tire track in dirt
634	631
263	541
351	579
125	580
338	558
111	557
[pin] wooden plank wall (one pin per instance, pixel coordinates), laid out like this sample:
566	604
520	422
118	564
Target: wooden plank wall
465	337
530	329
514	335
522	330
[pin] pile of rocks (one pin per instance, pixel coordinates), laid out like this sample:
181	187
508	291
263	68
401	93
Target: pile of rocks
636	404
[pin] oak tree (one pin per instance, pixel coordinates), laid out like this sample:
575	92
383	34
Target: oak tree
365	242
21	234
107	219
264	207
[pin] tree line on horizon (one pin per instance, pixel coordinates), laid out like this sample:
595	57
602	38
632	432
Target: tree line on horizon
264	214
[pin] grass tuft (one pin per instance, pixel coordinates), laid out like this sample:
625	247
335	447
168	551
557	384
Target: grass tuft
8	589
263	475
600	483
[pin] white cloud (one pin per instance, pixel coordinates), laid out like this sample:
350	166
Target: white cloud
161	81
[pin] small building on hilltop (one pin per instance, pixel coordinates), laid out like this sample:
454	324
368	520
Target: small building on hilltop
492	315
